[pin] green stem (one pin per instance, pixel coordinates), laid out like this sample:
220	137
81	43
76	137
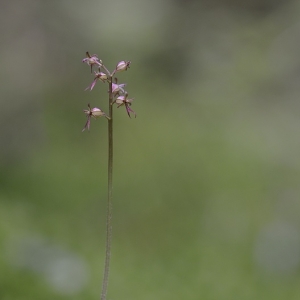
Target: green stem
109	198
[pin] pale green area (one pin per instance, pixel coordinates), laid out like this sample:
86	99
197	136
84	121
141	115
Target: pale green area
209	165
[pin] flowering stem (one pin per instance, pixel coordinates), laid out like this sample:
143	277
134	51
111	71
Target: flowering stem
117	95
109	198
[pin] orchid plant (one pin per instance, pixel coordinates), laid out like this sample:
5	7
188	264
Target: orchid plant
116	95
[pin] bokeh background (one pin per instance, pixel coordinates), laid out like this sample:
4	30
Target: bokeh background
206	178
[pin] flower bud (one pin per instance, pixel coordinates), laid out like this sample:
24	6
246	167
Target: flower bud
122	65
97	112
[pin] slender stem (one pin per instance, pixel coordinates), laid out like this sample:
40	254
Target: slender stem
109	198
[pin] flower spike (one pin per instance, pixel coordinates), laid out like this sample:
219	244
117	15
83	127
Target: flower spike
116	95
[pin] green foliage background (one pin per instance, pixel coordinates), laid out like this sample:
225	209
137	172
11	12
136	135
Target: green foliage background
205	177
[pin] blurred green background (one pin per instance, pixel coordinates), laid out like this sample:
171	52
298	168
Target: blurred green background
206	178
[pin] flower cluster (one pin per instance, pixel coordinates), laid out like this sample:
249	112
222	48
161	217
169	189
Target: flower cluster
117	90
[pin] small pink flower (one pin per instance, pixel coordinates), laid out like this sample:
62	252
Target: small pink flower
117	88
92	60
93	112
123	100
98	76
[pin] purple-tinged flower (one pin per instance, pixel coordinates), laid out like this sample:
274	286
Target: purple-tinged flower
92	60
122	66
117	88
123	100
93	112
98	76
